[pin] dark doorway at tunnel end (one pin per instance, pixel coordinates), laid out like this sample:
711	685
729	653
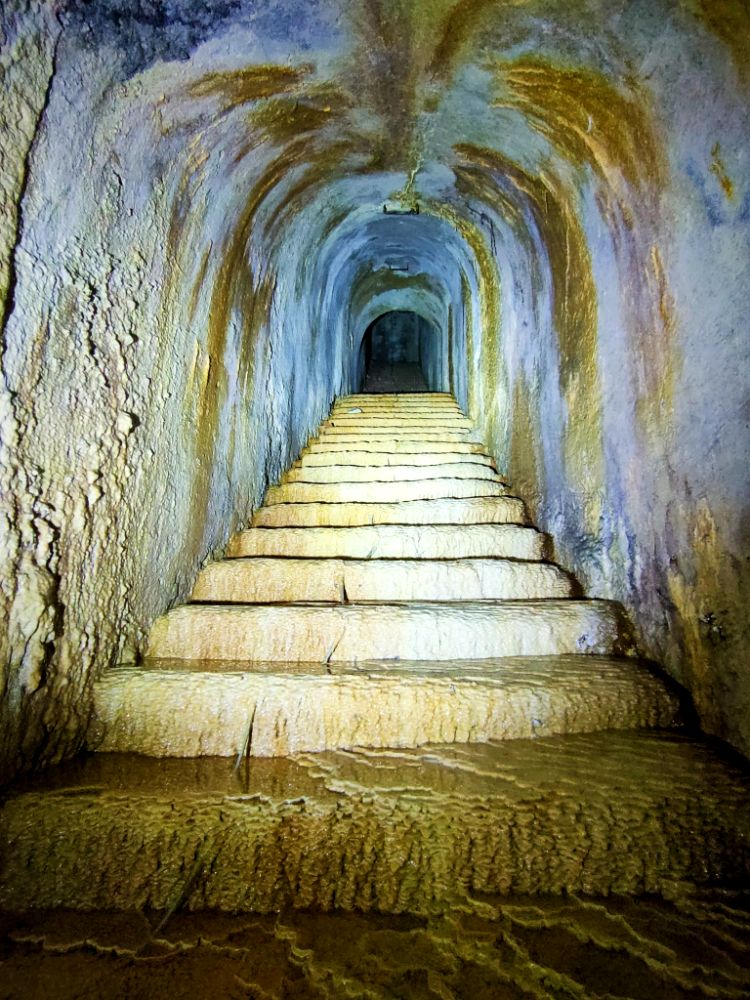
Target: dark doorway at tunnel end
397	348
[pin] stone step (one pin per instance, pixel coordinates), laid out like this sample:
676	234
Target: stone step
269	580
423	489
398	398
398	831
418	409
402	473
386	421
470	510
407	704
353	435
335	633
324	459
404	427
383	446
393	541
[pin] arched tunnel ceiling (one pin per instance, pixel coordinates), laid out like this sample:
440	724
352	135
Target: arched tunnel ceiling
471	109
516	124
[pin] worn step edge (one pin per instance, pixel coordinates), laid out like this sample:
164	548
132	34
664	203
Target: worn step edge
142	710
399	448
426	631
401	473
393	541
361	421
424	489
376	460
429	513
267	580
338	433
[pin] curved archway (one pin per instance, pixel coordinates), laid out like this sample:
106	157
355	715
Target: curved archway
400	351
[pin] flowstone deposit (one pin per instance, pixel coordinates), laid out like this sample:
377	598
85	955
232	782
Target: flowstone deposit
691	944
377	831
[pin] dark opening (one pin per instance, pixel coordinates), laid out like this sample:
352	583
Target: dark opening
396	348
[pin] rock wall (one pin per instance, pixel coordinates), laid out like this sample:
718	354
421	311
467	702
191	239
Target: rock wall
202	204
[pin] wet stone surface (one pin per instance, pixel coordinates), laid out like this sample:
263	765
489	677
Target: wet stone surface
399	831
691	943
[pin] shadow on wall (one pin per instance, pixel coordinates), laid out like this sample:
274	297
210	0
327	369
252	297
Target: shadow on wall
400	353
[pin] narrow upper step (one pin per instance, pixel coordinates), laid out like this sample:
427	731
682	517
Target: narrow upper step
394	541
387	421
386	446
316	459
351	632
274	580
428	434
422	489
344	473
467	511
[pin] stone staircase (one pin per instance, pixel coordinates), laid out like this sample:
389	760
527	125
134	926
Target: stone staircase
389	593
386	699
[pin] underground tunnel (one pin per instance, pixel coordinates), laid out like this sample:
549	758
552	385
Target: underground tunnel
373	477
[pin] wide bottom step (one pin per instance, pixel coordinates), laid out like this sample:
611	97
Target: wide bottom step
389	831
173	708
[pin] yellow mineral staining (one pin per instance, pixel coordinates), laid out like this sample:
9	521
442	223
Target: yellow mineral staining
198	283
590	121
525	464
236	290
324	163
284	118
586	118
655	341
485	359
457	28
574	308
719	170
399	831
387	77
729	20
234	88
701	593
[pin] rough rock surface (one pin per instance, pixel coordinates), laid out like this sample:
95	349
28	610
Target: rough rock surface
691	943
204	210
376	831
193	708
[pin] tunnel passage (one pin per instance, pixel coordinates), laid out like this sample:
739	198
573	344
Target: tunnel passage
399	349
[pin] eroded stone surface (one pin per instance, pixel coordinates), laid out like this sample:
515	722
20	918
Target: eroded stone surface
392	831
204	209
691	942
422	489
297	632
429	513
388	448
319	459
276	580
393	541
174	708
396	472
